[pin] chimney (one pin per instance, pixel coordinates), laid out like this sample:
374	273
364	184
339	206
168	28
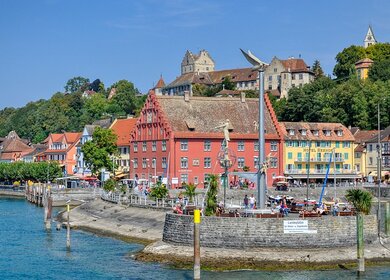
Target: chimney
186	96
243	97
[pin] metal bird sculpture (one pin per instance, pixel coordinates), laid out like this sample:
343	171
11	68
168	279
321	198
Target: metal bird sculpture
253	59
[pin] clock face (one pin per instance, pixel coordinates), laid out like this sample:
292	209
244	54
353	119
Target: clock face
369	37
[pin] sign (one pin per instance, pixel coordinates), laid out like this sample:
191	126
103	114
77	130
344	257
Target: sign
195	162
165	181
297	226
175	180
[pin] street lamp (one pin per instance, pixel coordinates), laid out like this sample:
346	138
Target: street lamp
379	169
261	184
148	166
134	183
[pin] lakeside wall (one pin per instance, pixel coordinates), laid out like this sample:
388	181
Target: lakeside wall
219	232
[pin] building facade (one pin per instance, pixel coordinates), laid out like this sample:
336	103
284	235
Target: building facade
122	129
176	137
373	155
361	138
362	67
312	146
62	149
194	63
369	39
281	75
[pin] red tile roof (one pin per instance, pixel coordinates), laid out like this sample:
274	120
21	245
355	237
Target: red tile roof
320	127
122	128
160	83
362	136
294	64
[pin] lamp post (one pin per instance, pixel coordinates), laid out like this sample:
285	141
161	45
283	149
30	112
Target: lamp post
147	166
261	184
379	169
154	165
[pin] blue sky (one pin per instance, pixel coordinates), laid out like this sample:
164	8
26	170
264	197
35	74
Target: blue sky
44	43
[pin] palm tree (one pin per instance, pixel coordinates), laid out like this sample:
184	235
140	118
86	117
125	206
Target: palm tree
190	191
211	202
362	201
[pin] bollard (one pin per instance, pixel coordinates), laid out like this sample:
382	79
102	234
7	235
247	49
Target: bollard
360	243
68	229
196	244
387	219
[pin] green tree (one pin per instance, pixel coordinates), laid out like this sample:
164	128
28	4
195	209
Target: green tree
159	191
317	69
199	89
228	84
345	61
76	84
125	97
211	202
99	151
361	200
380	71
190	191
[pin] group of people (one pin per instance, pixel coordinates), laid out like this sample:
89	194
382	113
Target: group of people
250	202
242	184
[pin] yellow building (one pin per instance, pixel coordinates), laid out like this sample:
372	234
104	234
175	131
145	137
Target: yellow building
362	67
312	146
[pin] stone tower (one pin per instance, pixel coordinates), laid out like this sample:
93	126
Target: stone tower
201	62
370	38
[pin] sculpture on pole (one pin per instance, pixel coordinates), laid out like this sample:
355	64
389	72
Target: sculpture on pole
225	127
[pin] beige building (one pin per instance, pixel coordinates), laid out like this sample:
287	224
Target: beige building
360	148
195	63
372	155
281	75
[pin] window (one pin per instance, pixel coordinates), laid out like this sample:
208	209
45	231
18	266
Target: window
207	145
274	162
301	76
289	143
256	162
315	132
163	145
303	132
293	77
143	162
327	132
347	167
337	144
370	160
154	145
241	162
164	162
339	133
370	147
144	146
270	78
358	155
184	178
291	131
289	155
299	156
346	156
256	146
184	145
275	70
207	162
299	166
240	146
154	162
318	144
346	144
270	87
184	162
196	181
274	146
327	144
284	76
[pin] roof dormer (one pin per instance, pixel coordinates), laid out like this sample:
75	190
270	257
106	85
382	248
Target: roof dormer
315	132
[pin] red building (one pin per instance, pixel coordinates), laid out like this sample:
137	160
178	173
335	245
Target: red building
176	137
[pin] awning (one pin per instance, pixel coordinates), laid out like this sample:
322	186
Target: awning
375	173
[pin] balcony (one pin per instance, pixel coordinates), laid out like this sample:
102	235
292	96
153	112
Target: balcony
319	171
315	159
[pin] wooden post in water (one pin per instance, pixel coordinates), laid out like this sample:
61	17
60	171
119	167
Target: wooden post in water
48	208
196	244
360	243
387	219
68	229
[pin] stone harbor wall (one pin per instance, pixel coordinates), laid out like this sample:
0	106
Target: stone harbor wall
221	232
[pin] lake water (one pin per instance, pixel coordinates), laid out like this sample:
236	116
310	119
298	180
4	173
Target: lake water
28	251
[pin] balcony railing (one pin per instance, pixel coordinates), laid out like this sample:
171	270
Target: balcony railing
319	159
319	171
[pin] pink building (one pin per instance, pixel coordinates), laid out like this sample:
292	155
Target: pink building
176	137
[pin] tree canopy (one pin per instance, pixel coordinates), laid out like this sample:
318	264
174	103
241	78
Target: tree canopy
99	151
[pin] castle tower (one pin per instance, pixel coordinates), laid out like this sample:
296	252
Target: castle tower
201	62
370	38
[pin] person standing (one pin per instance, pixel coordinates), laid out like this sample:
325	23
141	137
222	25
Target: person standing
252	201
246	201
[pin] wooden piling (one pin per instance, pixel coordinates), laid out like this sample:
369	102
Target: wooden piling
196	244
360	243
68	229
